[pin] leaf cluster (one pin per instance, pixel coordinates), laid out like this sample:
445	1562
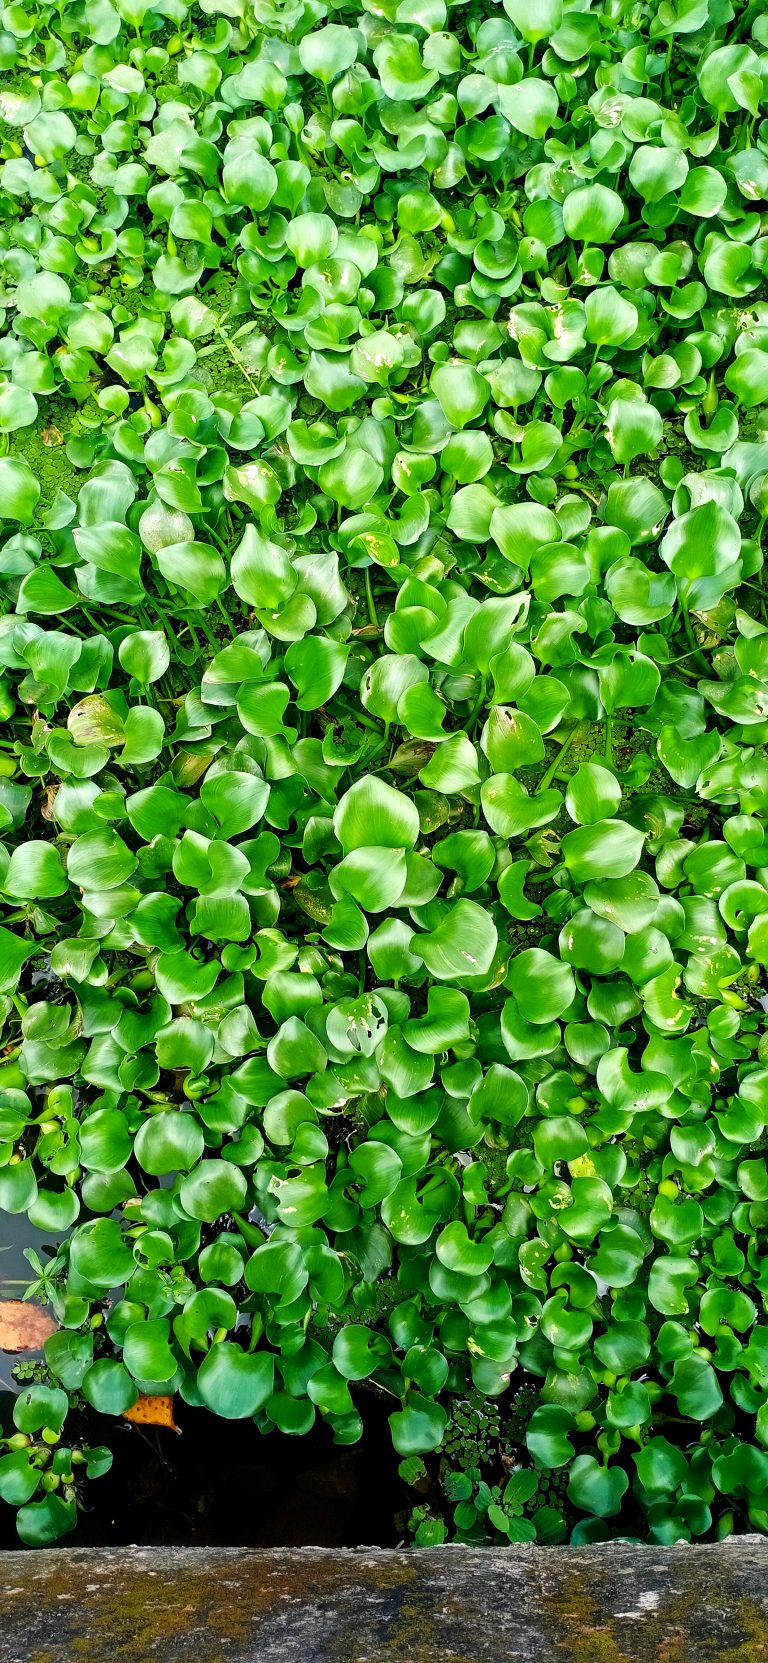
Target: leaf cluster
384	668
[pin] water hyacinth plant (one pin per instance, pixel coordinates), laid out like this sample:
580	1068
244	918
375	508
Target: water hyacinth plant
383	788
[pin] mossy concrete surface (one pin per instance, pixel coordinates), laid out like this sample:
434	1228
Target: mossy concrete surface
443	1605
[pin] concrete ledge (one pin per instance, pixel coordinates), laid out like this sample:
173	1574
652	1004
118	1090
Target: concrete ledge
442	1605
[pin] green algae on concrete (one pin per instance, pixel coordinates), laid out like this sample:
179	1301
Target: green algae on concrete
620	1604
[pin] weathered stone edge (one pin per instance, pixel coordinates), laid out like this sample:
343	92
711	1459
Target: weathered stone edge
606	1604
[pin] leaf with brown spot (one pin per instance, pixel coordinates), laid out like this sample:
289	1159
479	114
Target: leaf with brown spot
152	1411
411	756
24	1327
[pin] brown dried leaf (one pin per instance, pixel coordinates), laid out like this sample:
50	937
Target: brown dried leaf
24	1327
152	1411
49	798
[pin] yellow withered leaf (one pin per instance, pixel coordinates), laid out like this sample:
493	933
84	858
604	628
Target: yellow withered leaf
152	1411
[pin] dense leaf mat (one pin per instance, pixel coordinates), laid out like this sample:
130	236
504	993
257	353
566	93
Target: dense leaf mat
385	674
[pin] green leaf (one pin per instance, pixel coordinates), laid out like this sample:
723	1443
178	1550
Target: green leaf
592	213
19	490
419	1427
607	849
233	1383
99	860
511	740
543	987
213	1189
461	392
35	872
316	668
326	52
195	568
40	1406
530	106
145	655
547	1436
42	1522
598	1489
18	1478
146	1352
101	1254
462	944
696	1387
249	180
702	550
169	1142
593	794
373	814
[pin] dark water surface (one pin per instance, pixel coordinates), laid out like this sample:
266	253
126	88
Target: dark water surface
223	1484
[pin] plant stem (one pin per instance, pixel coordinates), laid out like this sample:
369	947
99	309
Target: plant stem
225	616
208	633
547	778
477	706
696	652
235	354
373	615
